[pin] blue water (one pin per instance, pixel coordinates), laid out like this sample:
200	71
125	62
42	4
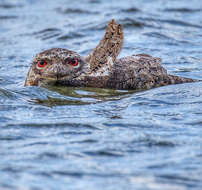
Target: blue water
83	138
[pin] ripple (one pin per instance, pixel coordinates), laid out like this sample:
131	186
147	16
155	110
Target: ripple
75	11
68	173
49	155
128	22
84	141
104	153
46	33
54	125
148	22
182	10
158	35
162	143
70	35
189	181
11	138
61	137
130	10
181	23
8	17
10	6
6	93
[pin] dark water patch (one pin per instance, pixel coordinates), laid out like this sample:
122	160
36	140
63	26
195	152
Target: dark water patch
86	141
70	35
181	23
130	10
45	34
49	155
194	123
11	138
181	180
36	144
8	17
12	170
158	35
95	27
6	93
103	153
68	173
7	186
10	6
186	70
131	126
54	125
182	10
160	166
91	174
161	143
50	36
154	22
130	23
75	11
75	133
94	1
152	142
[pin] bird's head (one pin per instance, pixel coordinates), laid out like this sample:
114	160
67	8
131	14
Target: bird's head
53	65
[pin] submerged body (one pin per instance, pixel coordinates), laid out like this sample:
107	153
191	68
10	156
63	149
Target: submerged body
101	69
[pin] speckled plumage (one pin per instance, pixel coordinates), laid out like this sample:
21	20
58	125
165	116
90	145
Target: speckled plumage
102	69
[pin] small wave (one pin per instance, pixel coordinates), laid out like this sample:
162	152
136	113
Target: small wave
128	22
54	125
75	11
9	6
161	143
182	10
8	17
94	1
68	173
147	22
47	33
48	155
181	23
7	93
11	138
157	35
84	141
186	180
71	35
131	10
104	153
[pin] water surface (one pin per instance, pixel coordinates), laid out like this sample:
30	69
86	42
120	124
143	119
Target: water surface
84	138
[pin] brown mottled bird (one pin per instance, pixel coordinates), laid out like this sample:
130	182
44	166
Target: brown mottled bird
100	69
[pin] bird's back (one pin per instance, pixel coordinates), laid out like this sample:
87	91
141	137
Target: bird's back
140	72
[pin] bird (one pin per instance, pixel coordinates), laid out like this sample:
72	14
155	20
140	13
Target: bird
101	68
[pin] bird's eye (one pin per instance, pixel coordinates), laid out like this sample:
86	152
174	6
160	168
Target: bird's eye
74	62
41	64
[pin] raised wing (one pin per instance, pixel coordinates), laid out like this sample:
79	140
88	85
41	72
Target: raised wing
108	48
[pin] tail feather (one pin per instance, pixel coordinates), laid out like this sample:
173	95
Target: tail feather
178	80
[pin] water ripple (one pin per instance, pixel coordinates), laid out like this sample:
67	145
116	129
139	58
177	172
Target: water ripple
75	11
58	137
182	10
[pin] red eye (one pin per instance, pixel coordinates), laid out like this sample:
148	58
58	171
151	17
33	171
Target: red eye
74	62
41	64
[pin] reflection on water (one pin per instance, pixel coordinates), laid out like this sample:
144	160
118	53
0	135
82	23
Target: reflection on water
86	138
